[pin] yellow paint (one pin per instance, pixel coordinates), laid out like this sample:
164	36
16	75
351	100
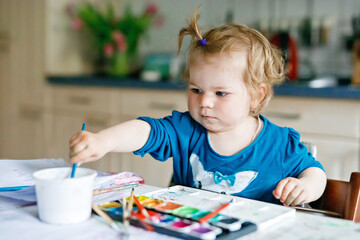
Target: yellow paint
110	205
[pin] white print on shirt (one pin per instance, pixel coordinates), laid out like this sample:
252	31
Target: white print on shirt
205	180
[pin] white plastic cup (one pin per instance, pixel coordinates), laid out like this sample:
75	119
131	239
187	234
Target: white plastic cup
61	199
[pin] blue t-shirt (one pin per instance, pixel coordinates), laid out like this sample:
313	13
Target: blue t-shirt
253	173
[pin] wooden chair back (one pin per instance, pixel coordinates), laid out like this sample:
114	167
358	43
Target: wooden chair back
341	198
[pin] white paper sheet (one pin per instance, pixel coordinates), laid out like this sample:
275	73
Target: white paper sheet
11	203
27	194
19	172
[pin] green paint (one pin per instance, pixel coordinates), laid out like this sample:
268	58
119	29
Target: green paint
185	211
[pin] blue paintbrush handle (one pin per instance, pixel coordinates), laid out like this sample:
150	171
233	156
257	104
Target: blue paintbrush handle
10	189
74	166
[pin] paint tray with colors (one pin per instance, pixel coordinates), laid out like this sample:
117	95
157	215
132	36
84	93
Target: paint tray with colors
261	213
180	221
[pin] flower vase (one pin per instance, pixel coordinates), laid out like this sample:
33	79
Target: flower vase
118	65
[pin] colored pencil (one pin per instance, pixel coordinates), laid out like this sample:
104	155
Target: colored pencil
106	190
107	219
141	207
214	213
74	166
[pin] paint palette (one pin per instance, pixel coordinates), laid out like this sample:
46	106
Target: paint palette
263	214
180	221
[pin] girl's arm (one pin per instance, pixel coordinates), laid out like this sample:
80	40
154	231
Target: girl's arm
308	187
315	180
125	137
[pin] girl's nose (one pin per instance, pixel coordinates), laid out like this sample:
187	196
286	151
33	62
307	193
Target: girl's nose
206	101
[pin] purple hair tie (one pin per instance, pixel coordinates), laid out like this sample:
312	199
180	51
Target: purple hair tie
202	41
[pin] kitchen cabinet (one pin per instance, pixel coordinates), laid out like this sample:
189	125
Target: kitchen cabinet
333	125
100	108
31	131
5	74
73	106
23	92
133	103
339	156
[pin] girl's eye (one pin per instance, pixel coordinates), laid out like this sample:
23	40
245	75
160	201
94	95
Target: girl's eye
221	94
196	90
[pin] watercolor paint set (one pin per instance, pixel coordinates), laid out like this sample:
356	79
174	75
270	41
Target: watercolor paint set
178	220
263	214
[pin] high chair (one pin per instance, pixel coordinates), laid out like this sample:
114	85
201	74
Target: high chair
341	199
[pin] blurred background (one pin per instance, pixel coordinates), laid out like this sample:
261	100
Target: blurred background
62	65
320	29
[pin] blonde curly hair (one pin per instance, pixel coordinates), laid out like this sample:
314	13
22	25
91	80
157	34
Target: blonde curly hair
265	65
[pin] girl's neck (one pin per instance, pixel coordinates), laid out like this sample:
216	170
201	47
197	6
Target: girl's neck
233	141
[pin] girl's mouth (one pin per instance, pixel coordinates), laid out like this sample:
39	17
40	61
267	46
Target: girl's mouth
208	117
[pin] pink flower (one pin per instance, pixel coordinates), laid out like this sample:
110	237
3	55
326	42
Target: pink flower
77	23
118	36
108	50
151	9
121	46
120	41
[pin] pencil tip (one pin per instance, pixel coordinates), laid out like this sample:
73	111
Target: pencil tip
132	189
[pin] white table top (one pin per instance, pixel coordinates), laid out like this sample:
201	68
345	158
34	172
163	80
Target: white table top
23	223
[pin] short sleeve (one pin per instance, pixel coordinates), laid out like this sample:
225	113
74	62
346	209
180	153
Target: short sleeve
166	135
297	158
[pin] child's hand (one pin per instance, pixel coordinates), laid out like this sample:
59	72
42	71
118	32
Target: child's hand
291	192
85	147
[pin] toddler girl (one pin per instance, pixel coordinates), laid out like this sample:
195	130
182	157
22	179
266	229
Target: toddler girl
222	143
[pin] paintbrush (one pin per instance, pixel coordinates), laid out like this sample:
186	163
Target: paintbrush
141	207
131	201
107	219
74	166
125	215
214	213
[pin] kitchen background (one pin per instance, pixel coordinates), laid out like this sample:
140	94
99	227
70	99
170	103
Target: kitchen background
321	28
48	87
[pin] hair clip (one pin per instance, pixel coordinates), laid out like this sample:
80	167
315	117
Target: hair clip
202	41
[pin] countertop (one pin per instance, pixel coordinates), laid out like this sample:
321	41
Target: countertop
286	89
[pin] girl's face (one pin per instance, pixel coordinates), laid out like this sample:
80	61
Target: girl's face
217	96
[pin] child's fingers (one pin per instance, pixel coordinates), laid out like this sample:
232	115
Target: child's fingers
299	200
79	143
288	188
279	188
78	148
88	155
93	158
81	156
75	139
292	196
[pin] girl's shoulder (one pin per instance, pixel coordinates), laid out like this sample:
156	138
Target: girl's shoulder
182	122
182	119
285	133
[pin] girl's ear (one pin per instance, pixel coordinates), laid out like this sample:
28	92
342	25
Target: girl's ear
262	92
260	96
